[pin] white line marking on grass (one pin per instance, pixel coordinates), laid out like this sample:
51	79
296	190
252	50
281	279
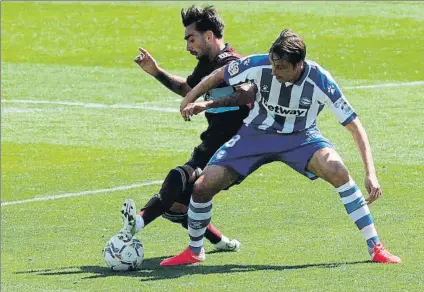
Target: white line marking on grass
144	107
95	105
176	110
84	193
384	85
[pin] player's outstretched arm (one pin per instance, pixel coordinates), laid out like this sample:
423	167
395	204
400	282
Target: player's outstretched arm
244	94
174	83
210	82
360	137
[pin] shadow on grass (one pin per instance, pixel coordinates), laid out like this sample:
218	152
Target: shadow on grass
151	270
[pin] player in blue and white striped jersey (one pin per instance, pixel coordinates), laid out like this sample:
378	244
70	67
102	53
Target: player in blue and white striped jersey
285	107
281	126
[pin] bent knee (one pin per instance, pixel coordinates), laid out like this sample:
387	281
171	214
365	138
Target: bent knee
178	208
337	170
327	164
191	173
212	181
201	192
205	188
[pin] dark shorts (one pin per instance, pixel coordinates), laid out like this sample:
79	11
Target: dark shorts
221	128
251	148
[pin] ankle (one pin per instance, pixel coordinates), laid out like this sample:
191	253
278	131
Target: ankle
139	222
224	239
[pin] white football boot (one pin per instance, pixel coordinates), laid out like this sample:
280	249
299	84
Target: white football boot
128	213
227	245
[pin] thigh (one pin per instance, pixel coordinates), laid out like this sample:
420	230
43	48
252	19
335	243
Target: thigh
328	165
201	155
299	158
218	133
213	179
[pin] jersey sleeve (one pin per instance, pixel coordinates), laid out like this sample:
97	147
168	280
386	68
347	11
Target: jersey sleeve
342	110
202	69
334	98
242	70
226	58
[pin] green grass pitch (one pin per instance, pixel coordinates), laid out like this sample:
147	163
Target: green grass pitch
79	117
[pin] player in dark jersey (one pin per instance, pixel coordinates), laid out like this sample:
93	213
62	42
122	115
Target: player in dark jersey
204	37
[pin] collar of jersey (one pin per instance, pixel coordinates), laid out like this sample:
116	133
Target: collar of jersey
303	77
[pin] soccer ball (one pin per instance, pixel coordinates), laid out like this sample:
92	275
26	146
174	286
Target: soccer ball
123	254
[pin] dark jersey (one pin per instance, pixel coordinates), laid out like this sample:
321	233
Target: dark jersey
223	123
205	67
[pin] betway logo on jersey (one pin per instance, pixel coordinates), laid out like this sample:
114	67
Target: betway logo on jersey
284	111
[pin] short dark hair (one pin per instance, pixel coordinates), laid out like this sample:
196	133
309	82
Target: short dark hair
289	47
206	18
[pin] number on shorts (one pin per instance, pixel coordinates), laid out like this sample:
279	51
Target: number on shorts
232	141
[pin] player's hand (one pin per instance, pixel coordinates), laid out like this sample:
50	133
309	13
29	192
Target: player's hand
373	188
245	88
194	109
147	62
245	93
183	105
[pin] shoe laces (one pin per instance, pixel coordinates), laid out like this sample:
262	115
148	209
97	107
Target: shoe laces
379	249
126	233
192	254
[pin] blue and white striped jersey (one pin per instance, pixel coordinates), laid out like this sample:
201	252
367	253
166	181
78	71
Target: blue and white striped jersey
288	108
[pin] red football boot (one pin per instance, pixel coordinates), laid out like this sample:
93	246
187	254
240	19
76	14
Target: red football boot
380	255
185	258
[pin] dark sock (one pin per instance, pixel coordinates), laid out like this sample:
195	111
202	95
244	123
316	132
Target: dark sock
172	187
152	210
174	184
213	234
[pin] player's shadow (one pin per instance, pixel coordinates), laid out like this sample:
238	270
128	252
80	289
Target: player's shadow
151	271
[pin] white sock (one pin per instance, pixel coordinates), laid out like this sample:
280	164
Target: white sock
139	223
225	239
223	242
358	211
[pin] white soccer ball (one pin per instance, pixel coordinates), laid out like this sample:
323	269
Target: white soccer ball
122	254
